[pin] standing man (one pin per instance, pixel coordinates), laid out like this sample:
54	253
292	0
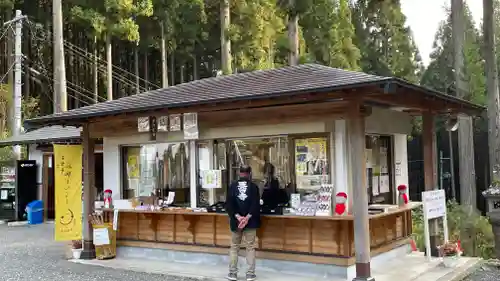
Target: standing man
243	208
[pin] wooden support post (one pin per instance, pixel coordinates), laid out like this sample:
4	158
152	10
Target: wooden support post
430	172
356	131
88	192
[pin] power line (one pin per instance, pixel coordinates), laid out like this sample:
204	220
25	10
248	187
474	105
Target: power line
86	53
45	71
7	73
104	61
102	69
44	74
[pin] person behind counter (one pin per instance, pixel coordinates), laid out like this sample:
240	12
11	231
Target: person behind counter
243	208
272	196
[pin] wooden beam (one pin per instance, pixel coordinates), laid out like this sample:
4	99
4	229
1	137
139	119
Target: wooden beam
88	192
238	117
412	101
242	104
430	170
356	135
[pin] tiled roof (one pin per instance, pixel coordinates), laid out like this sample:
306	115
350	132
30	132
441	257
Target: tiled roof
305	78
44	135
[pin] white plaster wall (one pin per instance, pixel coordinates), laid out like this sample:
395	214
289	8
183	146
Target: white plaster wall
37	155
111	145
384	121
400	160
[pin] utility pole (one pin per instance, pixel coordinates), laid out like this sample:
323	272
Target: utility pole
16	130
465	132
60	94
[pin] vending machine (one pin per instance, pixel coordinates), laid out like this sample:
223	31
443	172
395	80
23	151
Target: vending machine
7	191
26	186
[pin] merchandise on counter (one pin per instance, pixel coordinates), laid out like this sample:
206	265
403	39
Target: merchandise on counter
403	197
307	208
108	201
295	200
340	204
219	207
325	200
265	210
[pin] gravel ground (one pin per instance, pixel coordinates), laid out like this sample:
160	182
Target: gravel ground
30	253
490	271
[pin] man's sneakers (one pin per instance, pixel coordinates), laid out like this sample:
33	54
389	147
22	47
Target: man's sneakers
234	277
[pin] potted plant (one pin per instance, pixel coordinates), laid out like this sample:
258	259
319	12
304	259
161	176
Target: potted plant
450	252
76	248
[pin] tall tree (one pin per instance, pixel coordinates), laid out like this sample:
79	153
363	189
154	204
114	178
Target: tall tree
465	131
329	34
113	18
165	11
225	41
492	86
254	47
386	43
440	75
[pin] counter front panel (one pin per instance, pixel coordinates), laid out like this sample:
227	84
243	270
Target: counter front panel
293	235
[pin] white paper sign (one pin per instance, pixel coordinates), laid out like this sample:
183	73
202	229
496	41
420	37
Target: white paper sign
434	207
397	169
101	236
375	186
115	220
434	203
170	197
4	194
211	179
384	184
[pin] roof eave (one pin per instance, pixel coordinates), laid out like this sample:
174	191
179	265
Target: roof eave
467	105
79	120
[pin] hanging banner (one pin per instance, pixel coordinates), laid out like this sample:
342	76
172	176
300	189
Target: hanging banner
68	192
190	126
211	179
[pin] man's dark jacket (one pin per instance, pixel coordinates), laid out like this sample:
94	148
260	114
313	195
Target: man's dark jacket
243	198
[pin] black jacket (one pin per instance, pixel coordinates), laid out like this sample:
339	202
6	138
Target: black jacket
243	198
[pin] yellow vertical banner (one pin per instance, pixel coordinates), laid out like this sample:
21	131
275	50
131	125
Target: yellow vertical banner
68	192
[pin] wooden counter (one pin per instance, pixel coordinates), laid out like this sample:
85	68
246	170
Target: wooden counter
327	240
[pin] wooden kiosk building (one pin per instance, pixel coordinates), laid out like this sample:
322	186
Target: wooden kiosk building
264	116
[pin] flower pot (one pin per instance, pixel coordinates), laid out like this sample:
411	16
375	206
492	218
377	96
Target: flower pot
450	261
77	253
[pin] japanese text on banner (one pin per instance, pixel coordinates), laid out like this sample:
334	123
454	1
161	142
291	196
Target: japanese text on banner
68	192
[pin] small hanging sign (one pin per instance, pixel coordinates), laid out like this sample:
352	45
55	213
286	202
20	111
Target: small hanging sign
163	124
143	124
153	128
211	179
175	122
190	126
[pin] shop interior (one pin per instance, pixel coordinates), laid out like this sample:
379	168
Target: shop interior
286	169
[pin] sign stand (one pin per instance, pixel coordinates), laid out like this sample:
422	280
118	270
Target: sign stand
434	208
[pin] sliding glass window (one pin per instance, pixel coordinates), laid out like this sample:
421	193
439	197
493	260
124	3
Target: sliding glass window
156	169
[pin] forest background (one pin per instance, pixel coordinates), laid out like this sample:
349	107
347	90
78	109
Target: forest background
149	44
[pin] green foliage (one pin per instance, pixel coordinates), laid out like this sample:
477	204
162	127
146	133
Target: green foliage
113	17
329	34
256	27
473	230
386	43
439	74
